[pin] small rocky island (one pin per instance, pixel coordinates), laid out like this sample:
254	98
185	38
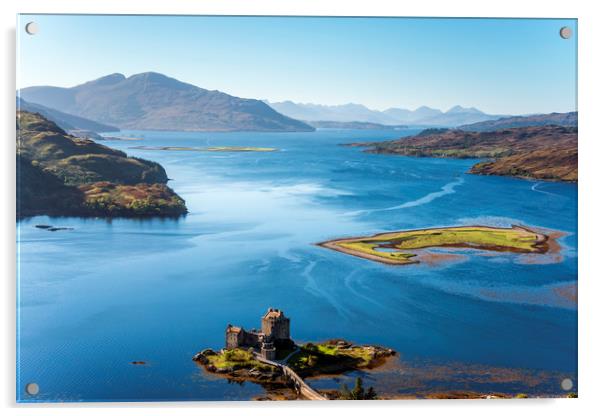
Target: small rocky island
409	247
271	358
207	149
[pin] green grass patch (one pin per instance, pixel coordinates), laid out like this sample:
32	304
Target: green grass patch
236	359
483	237
372	249
329	357
397	246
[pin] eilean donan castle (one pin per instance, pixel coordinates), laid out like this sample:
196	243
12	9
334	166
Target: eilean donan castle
274	334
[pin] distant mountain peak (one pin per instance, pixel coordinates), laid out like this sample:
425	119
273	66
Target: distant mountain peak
154	101
151	76
465	110
161	81
353	106
107	79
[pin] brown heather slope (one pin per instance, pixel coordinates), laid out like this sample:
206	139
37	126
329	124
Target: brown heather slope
58	174
542	152
556	119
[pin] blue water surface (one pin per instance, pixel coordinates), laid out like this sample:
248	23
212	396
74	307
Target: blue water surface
108	292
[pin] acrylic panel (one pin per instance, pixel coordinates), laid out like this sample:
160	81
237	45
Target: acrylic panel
299	208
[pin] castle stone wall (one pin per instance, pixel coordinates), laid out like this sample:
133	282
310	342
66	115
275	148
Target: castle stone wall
275	327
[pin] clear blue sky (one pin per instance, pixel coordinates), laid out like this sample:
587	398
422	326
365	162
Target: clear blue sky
502	66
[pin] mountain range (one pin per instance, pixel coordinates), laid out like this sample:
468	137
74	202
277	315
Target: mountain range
422	116
153	101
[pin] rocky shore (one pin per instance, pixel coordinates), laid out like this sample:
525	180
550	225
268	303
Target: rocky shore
335	356
239	365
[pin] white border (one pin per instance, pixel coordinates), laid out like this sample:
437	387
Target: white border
590	152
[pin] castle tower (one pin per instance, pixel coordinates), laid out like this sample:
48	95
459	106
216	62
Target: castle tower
275	325
268	351
234	337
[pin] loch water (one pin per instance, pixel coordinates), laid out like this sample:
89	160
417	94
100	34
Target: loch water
108	292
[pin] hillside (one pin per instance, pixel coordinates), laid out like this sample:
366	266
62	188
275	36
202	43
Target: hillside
152	101
557	119
541	152
67	122
58	174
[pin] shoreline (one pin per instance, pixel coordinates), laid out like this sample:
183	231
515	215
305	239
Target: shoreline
540	238
332	244
308	361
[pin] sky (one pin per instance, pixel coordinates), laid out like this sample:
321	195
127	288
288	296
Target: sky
501	66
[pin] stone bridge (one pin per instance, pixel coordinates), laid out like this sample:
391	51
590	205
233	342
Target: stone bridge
301	387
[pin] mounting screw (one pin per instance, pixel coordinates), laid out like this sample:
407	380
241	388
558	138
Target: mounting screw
566	32
31	28
32	388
